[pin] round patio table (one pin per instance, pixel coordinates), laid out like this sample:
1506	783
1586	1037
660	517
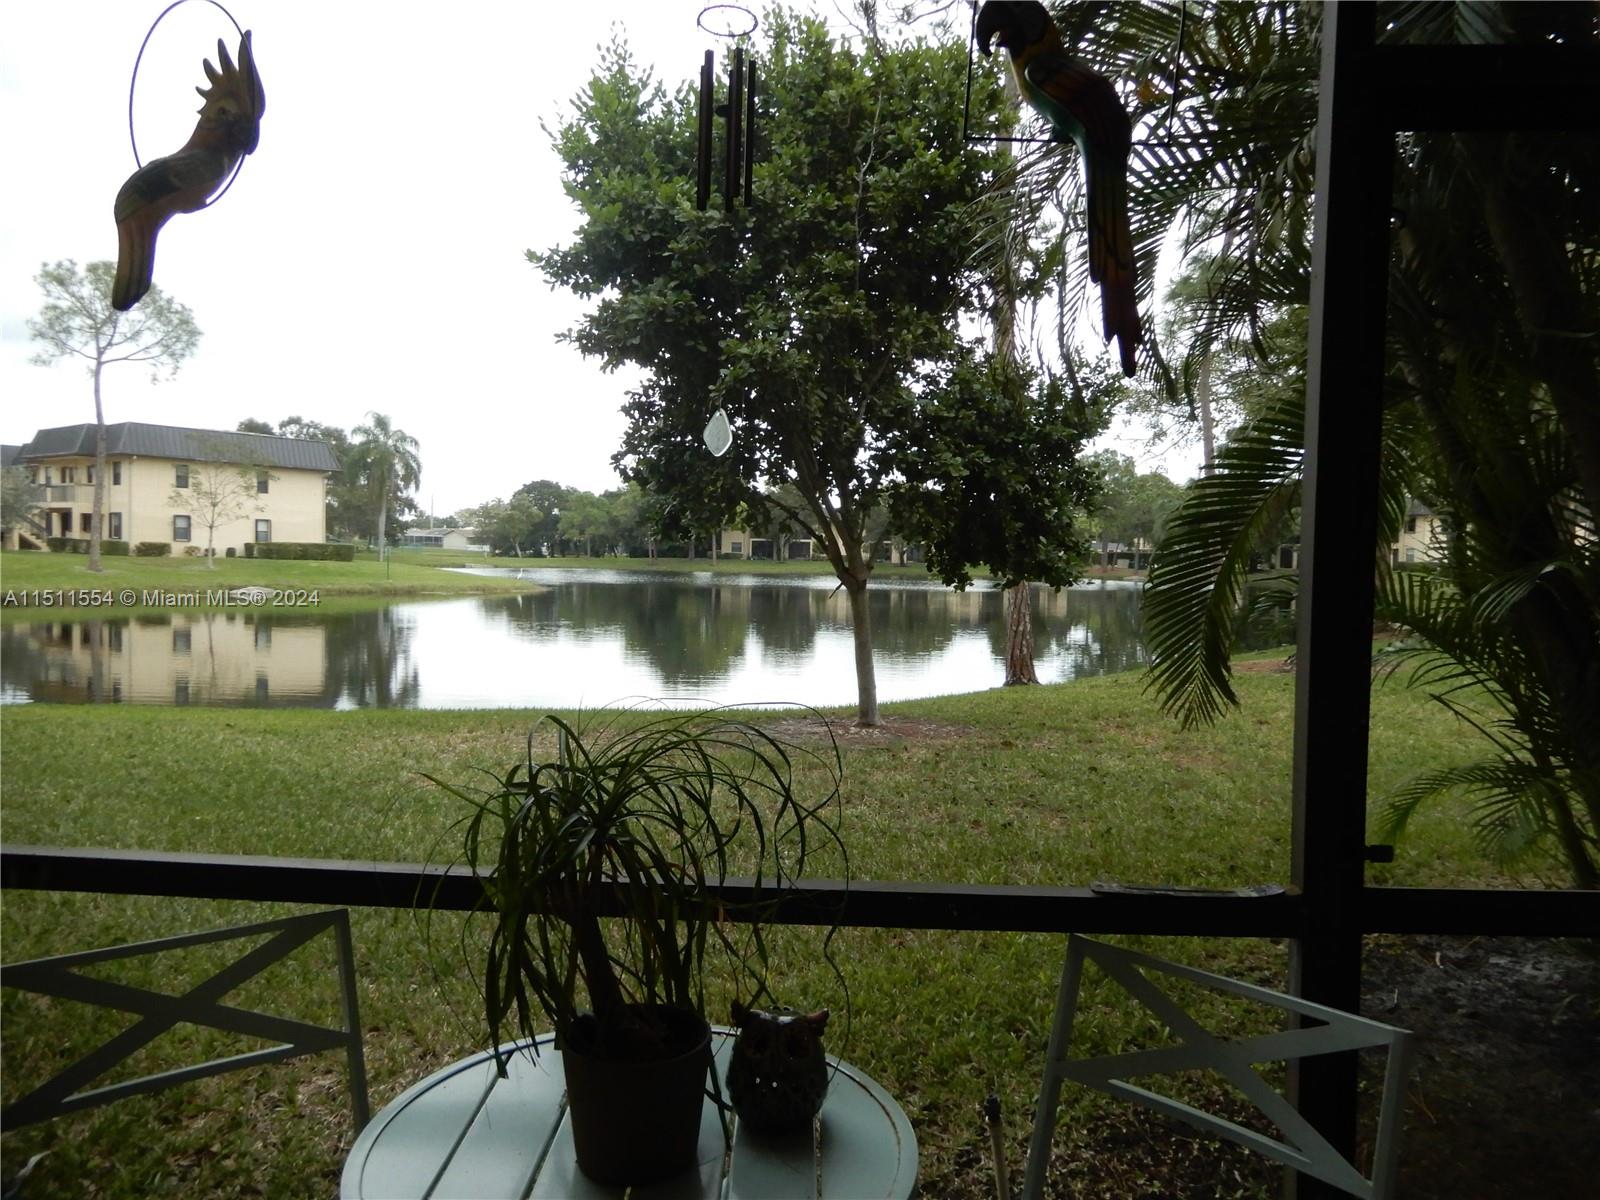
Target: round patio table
464	1132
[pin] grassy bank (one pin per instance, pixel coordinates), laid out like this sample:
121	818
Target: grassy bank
26	572
1047	785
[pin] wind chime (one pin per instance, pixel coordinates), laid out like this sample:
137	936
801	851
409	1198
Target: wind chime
738	114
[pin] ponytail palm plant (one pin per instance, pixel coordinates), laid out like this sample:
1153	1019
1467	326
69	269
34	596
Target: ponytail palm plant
599	865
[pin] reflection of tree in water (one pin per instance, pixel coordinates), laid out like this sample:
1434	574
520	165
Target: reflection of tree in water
786	619
369	658
916	622
688	631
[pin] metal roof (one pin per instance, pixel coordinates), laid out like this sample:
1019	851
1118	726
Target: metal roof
183	445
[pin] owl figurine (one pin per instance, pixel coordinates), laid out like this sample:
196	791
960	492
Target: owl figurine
777	1073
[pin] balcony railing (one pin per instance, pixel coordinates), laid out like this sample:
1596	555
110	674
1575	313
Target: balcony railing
69	493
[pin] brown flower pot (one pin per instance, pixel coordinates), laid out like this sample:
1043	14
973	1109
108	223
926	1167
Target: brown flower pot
633	1121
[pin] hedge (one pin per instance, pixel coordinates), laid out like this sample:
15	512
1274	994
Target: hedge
325	551
72	545
152	549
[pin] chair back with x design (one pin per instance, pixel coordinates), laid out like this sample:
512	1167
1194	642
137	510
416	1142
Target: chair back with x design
199	1005
1300	1146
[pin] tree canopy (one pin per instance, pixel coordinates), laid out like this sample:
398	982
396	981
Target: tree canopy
824	319
77	321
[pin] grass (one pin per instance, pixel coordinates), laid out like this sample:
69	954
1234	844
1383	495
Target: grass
1045	785
28	571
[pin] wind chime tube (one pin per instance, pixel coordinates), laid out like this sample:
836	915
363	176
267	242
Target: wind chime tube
702	159
750	135
735	157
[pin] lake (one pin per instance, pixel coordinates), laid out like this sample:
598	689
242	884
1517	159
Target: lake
589	638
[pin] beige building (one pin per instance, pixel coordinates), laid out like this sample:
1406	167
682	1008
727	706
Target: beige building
1421	537
186	487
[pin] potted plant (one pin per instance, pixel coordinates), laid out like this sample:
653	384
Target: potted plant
598	865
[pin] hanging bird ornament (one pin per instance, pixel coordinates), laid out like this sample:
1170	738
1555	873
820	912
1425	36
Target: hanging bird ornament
1083	106
228	129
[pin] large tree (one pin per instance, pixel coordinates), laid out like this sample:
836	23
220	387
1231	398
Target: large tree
816	318
387	461
77	320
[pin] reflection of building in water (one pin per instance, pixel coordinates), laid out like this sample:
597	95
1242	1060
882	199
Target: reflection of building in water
188	658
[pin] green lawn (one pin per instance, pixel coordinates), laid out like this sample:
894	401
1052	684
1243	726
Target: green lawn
25	572
1052	785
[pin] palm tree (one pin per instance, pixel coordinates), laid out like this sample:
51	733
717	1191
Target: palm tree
387	458
1489	403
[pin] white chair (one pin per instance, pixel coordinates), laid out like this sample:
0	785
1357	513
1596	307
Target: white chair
1301	1148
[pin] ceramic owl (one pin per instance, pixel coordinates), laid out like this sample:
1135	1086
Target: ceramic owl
777	1074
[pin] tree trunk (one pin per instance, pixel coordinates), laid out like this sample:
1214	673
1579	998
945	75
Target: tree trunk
1019	637
98	515
861	629
1202	399
383	521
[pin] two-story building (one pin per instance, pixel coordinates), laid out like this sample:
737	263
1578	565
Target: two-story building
156	477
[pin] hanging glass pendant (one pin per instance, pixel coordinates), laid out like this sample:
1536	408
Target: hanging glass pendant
719	434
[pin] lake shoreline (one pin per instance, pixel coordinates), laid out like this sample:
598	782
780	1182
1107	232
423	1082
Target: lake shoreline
79	594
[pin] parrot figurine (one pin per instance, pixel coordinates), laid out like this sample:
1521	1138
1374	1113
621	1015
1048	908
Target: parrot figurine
1083	106
228	129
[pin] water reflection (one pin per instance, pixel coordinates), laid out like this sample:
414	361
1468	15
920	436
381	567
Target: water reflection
587	638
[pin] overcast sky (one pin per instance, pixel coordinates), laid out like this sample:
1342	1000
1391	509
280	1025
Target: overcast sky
370	254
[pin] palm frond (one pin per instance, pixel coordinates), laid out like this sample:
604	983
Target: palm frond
1199	572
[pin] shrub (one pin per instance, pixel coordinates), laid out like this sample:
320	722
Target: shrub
321	551
193	552
116	547
152	549
230	552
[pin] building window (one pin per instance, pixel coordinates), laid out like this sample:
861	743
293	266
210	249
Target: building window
69	474
263	636
85	522
180	691
116	473
262	479
180	529
116	526
263	530
182	639
183	475
738	548
1411	524
33	475
1411	554
114	637
88	474
47	480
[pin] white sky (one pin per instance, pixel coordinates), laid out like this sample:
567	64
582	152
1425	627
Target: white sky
370	254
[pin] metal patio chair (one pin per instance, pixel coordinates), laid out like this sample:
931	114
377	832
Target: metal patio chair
1301	1146
198	1005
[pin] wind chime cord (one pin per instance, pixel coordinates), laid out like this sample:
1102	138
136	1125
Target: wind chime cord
134	83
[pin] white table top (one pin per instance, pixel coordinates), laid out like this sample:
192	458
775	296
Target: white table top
464	1132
